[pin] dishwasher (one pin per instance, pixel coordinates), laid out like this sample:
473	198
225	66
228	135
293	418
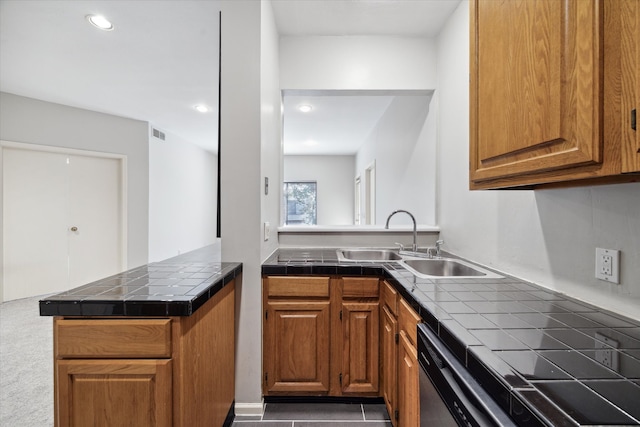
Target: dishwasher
449	395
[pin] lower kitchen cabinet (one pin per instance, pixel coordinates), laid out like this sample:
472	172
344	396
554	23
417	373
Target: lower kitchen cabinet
296	346
296	328
360	348
400	386
321	336
122	392
408	384
341	336
389	361
159	371
408	368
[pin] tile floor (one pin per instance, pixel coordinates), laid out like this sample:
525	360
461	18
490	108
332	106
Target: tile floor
318	415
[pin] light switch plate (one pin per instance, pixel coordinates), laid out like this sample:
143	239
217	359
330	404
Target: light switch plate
267	231
608	265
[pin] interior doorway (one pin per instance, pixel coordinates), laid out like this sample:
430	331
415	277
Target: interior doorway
64	218
357	211
370	194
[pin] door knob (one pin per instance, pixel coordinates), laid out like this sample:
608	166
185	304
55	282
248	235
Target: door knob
74	228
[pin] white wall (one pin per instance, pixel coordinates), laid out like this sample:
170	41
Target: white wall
251	150
357	62
182	197
38	122
271	126
403	146
546	236
335	177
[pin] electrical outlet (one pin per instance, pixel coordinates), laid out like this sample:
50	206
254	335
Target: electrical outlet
606	353
608	265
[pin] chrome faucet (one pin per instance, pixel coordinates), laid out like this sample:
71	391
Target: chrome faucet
436	249
414	247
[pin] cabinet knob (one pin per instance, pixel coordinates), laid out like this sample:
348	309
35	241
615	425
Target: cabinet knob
74	228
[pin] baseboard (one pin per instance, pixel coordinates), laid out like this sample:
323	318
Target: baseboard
248	409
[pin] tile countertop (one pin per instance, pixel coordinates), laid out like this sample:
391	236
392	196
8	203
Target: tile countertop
175	287
545	358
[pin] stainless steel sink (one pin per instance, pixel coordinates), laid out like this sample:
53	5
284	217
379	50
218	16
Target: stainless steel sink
446	267
368	255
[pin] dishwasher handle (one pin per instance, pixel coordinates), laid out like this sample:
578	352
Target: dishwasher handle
469	403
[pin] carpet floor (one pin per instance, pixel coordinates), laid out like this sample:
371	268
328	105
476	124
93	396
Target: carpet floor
26	365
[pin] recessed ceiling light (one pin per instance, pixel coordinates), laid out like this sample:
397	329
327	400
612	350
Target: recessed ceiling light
202	108
100	21
305	108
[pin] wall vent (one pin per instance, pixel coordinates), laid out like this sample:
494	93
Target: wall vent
158	134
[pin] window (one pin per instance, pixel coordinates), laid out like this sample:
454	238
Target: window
300	203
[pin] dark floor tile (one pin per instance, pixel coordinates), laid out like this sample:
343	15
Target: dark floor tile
248	418
313	411
375	412
353	423
262	424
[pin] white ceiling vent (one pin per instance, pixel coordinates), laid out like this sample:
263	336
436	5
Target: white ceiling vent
158	134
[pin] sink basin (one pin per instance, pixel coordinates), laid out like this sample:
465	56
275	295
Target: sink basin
368	255
446	267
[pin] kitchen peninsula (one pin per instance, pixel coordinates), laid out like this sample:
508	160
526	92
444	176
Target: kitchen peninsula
153	345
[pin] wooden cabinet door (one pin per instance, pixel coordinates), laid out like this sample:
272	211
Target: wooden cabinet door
296	346
360	328
105	393
408	321
535	88
636	106
389	362
408	384
389	297
629	11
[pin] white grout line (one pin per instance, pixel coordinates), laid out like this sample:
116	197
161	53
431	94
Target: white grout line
364	417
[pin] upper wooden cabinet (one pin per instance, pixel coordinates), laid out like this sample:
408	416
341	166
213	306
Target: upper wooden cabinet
630	37
552	86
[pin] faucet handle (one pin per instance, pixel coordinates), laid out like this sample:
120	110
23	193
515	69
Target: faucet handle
439	243
400	245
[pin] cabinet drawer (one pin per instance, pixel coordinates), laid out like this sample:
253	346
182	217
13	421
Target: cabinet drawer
360	287
112	338
389	297
297	286
408	321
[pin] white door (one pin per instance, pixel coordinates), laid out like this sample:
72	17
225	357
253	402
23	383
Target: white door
94	214
34	218
62	221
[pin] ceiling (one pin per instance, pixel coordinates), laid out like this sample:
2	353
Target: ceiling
161	58
423	18
340	121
